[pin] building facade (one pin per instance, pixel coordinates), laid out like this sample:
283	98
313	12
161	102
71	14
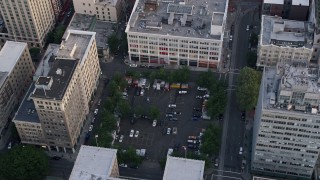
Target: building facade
284	41
62	98
104	10
177	33
315	19
286	125
27	21
16	69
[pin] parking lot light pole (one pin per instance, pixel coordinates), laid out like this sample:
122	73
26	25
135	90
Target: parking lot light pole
96	137
185	151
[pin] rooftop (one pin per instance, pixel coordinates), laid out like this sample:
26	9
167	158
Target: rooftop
281	82
93	163
54	85
300	2
76	45
44	66
183	169
27	111
106	2
273	1
187	18
282	32
9	56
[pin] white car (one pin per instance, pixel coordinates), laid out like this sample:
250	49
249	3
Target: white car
248	27
133	65
9	145
96	111
90	127
240	151
142	92
121	138
172	105
154	123
169	131
131	133
174	130
123	165
137	134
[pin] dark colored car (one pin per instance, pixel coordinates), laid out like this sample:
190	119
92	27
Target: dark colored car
194	118
173	119
243	115
197	109
144	117
176	147
220	117
138	92
164	131
56	158
197	115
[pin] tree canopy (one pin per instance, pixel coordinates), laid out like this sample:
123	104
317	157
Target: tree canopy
113	43
206	79
211	140
248	88
218	99
251	59
23	163
154	112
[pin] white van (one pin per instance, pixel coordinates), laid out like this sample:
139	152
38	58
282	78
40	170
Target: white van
240	151
172	105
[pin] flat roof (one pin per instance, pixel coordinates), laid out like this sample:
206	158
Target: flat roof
10	54
83	22
27	111
276	31
3	76
93	163
61	73
273	1
167	18
44	66
300	2
261	178
183	169
106	2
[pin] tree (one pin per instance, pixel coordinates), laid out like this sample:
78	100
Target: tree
129	156
139	110
34	52
254	39
134	74
113	43
211	140
58	33
181	75
218	99
23	163
251	59
124	108
206	79
109	105
108	122
154	113
113	88
248	88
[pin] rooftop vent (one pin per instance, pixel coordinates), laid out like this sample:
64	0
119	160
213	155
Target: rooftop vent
59	71
151	5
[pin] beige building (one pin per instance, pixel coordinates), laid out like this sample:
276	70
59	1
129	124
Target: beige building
62	97
284	41
16	69
104	10
27	21
186	33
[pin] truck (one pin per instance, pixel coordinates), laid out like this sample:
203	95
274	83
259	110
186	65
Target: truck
175	86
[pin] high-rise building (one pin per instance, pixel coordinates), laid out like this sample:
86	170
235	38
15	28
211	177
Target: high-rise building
104	10
27	21
16	69
315	19
286	124
284	40
188	32
62	96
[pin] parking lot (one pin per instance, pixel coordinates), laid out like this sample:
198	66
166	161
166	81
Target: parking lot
155	140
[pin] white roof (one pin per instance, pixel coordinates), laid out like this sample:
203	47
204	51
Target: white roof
93	163
274	1
183	169
300	2
10	54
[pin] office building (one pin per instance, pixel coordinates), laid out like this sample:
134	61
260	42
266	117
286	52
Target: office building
284	41
62	94
287	9
188	32
96	163
315	19
286	124
104	10
27	21
57	7
16	69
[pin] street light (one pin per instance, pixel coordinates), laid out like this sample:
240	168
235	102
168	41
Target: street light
185	151
96	136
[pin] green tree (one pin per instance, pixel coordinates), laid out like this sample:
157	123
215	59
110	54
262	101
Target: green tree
139	110
248	88
109	105
181	75
254	39
211	140
34	52
206	79
58	33
120	81
129	156
124	108
113	88
251	59
108	122
134	74
113	43
104	139
23	163
218	99
154	113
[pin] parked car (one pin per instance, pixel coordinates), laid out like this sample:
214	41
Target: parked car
131	133
176	113
142	92
199	97
121	138
240	151
169	131
136	134
56	157
169	115
220	117
194	118
197	109
144	117
176	147
96	111
216	162
173	119
201	88
9	145
92	121
99	102
248	27
172	105
123	165
174	130
133	65
90	128
154	123
138	92
243	115
197	115
164	131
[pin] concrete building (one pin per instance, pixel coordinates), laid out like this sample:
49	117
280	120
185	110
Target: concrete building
284	41
27	21
95	163
104	10
315	19
181	168
286	124
62	94
56	6
177	33
16	69
287	9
